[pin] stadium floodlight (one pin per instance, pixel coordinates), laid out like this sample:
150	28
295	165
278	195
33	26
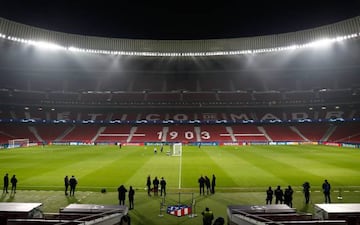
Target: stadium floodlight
47	45
321	43
52	46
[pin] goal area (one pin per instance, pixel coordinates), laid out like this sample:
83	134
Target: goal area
17	143
176	149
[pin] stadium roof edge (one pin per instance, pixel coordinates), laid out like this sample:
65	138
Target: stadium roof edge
16	31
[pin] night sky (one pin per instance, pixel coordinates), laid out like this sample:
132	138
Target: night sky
178	19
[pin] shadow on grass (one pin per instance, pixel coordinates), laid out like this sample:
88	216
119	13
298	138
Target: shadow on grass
3	196
11	198
72	199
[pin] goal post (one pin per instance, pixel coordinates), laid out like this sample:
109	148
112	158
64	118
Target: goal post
176	149
17	143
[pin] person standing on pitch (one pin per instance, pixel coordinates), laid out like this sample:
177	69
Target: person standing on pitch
6	183
202	185
326	189
288	196
131	197
306	190
148	184
213	183
66	183
72	182
156	186
13	183
122	193
279	195
162	186
269	196
207	184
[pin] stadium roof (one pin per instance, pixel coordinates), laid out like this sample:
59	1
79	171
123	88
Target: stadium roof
178	20
347	29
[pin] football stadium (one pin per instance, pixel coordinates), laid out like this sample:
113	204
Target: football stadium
247	113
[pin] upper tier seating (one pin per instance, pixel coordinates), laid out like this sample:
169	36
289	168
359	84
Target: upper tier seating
163	97
127	97
239	96
199	96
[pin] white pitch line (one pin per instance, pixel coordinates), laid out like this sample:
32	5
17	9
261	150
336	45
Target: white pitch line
180	171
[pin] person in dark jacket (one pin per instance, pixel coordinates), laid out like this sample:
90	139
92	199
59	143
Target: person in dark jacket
131	197
156	186
306	190
269	196
279	195
72	182
326	189
66	183
13	183
148	184
202	185
288	196
207	184
213	184
162	186
122	192
6	183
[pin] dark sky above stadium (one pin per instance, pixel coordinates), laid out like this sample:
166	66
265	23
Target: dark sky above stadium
175	19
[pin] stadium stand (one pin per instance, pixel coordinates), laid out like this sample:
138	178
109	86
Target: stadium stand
216	133
50	132
249	133
114	134
282	133
80	133
224	98
314	131
17	131
146	133
349	132
182	133
236	91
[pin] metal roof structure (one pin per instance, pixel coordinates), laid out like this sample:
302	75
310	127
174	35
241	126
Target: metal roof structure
11	30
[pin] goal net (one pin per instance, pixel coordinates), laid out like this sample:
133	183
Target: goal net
177	149
17	143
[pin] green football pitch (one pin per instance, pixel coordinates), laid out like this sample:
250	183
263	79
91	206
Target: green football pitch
243	174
